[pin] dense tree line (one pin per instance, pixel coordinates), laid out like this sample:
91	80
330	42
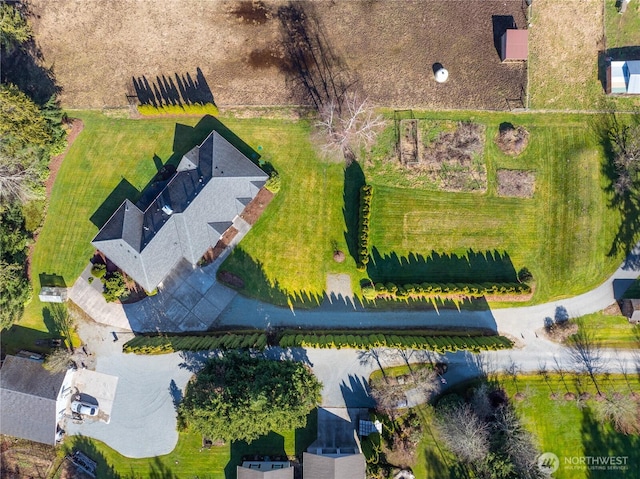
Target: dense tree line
238	397
29	135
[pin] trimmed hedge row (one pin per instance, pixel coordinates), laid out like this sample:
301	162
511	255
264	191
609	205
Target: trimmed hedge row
169	344
191	109
434	343
443	289
364	216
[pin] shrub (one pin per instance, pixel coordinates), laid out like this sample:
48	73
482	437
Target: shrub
369	292
98	270
114	287
191	109
273	183
525	276
427	290
366	194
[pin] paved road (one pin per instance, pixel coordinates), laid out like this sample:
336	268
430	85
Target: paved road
144	423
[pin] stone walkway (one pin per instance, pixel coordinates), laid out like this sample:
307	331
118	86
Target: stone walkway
189	299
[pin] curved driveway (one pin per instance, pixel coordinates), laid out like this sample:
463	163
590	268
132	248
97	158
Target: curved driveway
143	418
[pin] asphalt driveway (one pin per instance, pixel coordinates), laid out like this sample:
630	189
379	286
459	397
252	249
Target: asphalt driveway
143	416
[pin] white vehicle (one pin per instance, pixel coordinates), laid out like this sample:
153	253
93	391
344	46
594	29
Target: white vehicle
85	409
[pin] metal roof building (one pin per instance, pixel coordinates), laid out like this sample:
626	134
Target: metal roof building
515	45
623	77
213	184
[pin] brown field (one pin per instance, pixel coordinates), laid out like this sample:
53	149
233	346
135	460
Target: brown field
244	49
24	459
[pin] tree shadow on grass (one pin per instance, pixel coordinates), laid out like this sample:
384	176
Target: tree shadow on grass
185	138
88	447
474	267
271	445
600	440
253	281
353	181
605	126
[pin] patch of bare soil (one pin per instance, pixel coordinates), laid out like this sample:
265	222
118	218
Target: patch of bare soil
613	310
76	126
212	253
569	397
512	140
450	154
242	49
256	207
516	183
21	458
231	279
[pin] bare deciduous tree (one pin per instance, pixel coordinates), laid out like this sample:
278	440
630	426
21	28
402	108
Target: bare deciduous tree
586	354
464	433
347	124
622	411
58	360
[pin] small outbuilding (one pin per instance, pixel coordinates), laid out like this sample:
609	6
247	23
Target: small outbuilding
631	309
623	77
514	45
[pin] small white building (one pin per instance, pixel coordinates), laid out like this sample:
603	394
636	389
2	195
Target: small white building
623	77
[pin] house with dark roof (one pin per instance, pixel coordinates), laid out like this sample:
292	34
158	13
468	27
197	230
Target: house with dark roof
212	185
32	400
334	465
265	469
336	453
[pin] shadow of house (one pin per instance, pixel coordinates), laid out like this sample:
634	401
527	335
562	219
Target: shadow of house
474	267
165	91
336	453
264	458
501	23
184	216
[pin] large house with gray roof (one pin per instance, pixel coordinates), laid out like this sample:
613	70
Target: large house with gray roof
212	185
32	400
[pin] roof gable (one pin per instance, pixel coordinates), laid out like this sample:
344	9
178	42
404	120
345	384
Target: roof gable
316	466
212	185
29	377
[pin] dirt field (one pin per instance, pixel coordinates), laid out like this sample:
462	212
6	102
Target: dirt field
24	459
246	50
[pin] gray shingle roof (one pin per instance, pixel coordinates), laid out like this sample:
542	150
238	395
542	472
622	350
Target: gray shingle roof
326	467
28	394
211	186
246	473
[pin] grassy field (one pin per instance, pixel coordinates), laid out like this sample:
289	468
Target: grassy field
188	459
566	52
559	426
563	234
622	30
612	331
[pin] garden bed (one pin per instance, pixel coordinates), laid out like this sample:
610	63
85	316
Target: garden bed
516	183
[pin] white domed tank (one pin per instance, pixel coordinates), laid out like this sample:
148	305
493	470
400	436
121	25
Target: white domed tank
441	74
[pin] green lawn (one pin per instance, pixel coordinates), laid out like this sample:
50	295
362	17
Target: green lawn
563	234
559	426
622	30
188	459
612	331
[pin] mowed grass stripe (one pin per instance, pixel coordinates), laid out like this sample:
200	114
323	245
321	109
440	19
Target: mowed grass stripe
562	234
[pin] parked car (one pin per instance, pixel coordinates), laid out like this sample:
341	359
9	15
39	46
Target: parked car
85	409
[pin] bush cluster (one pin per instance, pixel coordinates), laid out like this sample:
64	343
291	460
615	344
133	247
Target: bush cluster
98	270
364	216
169	344
190	109
439	344
273	183
444	289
